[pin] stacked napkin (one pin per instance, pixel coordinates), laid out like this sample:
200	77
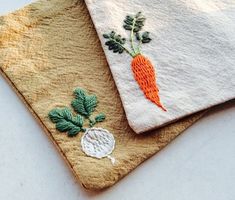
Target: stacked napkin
192	50
49	48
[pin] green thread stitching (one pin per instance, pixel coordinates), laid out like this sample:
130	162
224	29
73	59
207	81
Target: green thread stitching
84	105
134	24
99	118
66	122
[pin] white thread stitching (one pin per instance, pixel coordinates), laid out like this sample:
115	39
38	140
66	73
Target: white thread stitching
98	143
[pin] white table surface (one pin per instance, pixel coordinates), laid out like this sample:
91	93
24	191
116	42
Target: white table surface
198	165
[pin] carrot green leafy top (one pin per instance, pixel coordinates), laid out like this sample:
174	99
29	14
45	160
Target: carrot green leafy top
134	24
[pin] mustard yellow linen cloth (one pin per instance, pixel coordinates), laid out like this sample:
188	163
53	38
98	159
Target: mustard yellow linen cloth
49	48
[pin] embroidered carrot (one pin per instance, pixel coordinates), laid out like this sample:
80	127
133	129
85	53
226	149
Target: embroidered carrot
141	66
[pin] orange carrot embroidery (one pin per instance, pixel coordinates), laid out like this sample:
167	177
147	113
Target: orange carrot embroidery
145	76
142	68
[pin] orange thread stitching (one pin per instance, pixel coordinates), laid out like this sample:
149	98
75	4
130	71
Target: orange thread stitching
144	74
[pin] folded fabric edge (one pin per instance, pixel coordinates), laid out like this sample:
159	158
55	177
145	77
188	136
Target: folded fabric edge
94	187
45	130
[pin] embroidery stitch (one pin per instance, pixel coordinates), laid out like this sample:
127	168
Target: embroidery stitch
84	105
96	142
66	122
142	68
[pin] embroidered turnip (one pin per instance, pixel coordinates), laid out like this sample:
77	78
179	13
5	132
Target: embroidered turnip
95	142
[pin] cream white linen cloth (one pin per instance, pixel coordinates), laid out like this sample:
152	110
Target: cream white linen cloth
192	49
